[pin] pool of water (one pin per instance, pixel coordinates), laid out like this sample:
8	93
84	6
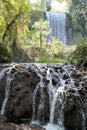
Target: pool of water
47	126
52	127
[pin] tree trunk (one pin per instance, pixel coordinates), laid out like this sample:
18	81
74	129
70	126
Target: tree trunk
8	26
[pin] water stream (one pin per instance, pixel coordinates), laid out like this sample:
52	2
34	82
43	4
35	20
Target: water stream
9	78
51	90
56	95
57	23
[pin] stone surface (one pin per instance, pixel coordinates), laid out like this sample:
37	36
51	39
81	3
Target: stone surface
12	126
29	96
20	100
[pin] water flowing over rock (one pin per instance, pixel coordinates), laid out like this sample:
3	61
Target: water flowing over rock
55	93
57	22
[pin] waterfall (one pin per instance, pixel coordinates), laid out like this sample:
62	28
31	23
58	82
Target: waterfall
54	93
41	104
57	95
2	73
9	78
57	23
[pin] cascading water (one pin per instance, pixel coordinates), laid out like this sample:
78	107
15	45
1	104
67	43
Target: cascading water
41	104
55	93
57	23
9	78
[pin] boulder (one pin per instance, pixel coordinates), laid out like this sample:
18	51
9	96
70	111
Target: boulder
20	101
12	126
29	91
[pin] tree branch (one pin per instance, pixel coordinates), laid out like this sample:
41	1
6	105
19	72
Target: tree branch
10	25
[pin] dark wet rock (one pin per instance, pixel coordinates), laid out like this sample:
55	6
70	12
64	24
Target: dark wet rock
65	76
72	114
40	99
75	74
2	89
55	81
81	92
76	82
12	126
3	119
75	109
85	85
7	126
46	81
31	94
20	98
37	128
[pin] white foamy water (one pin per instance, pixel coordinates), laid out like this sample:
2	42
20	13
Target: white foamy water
47	126
7	89
2	73
52	127
50	94
57	22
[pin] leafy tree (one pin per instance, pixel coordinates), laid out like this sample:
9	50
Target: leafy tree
14	17
38	39
40	48
40	32
79	55
55	48
42	5
79	14
5	54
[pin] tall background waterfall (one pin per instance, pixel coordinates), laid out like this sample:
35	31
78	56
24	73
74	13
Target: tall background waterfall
57	23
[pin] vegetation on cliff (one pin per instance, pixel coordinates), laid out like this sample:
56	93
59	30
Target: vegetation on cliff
23	32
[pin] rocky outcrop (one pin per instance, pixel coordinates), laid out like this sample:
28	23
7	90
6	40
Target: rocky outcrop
11	126
75	107
2	83
44	92
20	102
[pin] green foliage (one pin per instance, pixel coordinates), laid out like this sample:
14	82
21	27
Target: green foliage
41	4
78	10
55	47
50	60
35	15
35	52
38	38
19	55
40	33
79	55
14	31
14	17
5	54
38	47
75	39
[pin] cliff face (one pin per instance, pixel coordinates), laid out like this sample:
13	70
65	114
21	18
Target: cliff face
55	93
